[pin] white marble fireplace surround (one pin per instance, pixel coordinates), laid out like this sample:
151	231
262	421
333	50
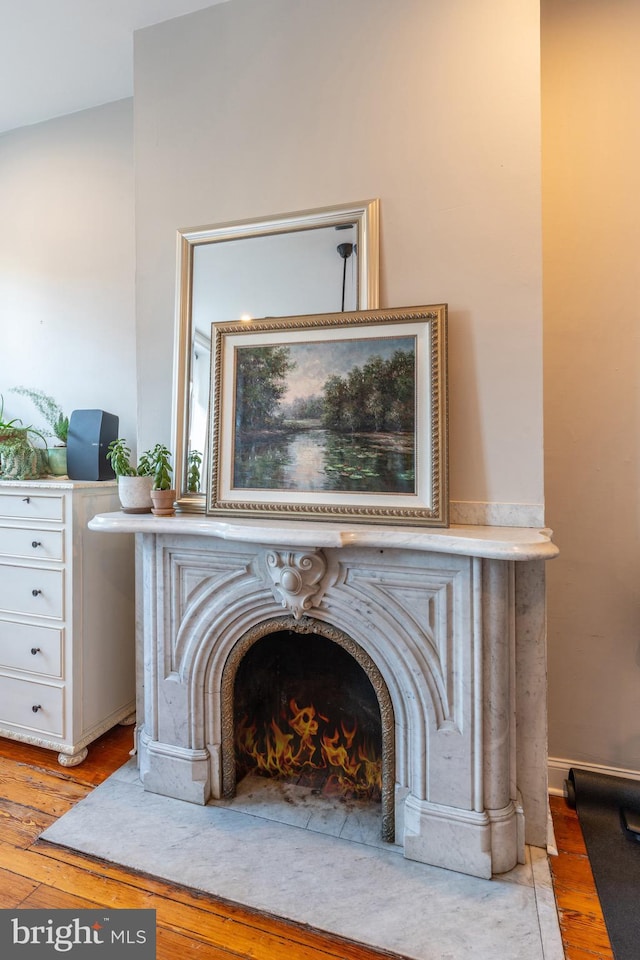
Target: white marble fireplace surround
451	620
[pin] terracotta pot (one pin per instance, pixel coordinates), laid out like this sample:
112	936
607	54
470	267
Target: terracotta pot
163	501
135	494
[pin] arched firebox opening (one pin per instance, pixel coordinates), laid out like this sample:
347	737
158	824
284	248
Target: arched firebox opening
303	703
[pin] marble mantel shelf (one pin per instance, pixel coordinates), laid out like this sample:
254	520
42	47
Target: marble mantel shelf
493	543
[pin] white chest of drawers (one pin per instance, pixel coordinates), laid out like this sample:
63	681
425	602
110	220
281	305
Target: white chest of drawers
67	620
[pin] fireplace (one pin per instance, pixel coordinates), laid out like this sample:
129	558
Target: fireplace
416	654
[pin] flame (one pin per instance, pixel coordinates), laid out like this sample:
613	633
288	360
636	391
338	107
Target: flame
349	765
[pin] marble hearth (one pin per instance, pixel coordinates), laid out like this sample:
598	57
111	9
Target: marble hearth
449	625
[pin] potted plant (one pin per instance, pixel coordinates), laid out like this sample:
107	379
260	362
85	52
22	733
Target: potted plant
58	423
194	462
134	483
20	457
163	493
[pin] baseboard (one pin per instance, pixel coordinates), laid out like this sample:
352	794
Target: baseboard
558	771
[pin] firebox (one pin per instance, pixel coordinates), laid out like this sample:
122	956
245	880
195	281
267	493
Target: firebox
306	705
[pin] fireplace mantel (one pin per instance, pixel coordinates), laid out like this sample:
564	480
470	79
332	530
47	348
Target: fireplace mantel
452	618
492	543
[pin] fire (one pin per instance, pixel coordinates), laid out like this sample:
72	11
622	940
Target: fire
306	750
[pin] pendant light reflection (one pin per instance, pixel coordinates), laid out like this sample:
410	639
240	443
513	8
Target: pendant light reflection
345	250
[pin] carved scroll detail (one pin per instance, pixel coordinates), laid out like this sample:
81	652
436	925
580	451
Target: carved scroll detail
296	578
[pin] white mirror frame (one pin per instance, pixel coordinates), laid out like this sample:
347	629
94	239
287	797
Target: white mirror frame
364	215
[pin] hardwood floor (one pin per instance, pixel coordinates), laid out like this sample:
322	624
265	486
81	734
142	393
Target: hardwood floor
35	790
584	934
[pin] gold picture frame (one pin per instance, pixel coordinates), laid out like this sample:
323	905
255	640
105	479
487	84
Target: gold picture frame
340	416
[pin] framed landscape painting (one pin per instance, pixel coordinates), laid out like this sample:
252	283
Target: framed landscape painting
331	416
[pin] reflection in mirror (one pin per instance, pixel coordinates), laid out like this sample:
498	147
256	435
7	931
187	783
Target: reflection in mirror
316	261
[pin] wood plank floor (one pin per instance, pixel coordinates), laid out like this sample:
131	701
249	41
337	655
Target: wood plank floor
584	934
35	790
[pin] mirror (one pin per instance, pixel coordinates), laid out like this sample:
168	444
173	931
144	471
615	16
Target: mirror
314	261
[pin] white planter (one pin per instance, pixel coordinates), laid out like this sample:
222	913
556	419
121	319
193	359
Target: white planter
135	494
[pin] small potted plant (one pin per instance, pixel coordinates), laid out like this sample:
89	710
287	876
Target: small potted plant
58	423
20	457
194	462
163	493
134	483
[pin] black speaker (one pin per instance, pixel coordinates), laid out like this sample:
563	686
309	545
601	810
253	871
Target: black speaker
90	433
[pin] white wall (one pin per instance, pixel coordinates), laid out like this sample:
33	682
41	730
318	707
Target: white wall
591	140
260	107
67	264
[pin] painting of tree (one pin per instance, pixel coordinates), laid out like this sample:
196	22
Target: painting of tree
261	382
378	397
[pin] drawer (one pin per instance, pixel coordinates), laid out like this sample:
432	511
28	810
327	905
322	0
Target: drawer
31	590
28	506
28	703
36	544
33	649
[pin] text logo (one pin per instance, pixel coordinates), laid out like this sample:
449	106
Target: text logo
80	934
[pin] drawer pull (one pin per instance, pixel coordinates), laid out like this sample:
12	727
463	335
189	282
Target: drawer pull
35	593
35	543
36	707
26	499
35	650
